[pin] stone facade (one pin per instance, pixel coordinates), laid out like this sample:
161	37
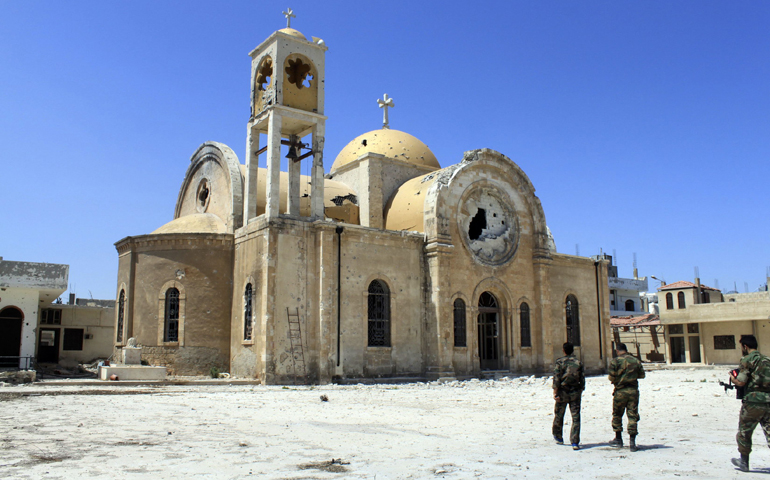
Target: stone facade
388	267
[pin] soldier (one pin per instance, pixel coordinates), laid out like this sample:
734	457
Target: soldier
754	373
569	381
625	370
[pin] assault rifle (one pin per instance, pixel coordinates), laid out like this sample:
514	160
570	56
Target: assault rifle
739	391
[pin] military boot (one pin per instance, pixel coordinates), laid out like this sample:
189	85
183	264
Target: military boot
633	444
617	441
742	463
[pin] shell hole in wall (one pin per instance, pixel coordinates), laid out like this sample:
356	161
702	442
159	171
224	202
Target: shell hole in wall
478	224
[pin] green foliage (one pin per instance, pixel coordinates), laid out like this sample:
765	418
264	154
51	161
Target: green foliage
214	372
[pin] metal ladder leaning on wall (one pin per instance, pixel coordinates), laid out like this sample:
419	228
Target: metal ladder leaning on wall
297	351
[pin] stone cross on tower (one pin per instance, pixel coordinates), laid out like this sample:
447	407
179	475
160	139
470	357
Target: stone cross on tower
384	104
289	14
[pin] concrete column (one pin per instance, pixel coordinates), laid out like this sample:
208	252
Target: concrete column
317	173
273	165
294	167
252	173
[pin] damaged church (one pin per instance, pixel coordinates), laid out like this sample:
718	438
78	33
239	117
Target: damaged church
389	266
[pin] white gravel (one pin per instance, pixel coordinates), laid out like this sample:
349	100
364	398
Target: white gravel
471	429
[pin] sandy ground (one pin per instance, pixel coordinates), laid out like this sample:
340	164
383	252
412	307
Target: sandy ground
474	429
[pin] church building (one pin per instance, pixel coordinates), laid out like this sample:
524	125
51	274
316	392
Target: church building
389	266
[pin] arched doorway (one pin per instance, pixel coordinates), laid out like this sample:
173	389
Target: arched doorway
11	320
489	332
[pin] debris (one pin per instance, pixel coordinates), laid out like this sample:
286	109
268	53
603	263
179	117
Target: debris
324	398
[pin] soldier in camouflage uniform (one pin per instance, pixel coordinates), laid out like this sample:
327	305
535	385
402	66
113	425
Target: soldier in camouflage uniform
625	370
754	374
569	381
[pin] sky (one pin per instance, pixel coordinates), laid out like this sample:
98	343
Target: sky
644	126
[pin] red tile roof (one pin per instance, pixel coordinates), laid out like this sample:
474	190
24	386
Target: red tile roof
684	284
647	320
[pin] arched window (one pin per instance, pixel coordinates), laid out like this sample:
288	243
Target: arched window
171	316
630	307
705	297
680	298
121	312
379	314
526	340
11	324
669	301
459	316
247	312
573	321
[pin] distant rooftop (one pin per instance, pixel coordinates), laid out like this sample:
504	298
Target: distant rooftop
648	320
685	284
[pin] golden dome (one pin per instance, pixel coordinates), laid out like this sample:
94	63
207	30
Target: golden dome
293	33
391	143
406	208
195	223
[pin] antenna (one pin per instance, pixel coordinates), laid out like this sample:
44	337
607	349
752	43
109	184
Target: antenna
716	283
614	257
697	272
634	260
746	286
577	253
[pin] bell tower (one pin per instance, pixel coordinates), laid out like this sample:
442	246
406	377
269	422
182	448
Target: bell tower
287	104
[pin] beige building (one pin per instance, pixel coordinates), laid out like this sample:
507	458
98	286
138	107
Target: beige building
704	326
387	266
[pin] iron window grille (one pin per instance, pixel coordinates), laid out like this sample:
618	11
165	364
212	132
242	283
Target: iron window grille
526	336
379	314
171	330
460	328
121	309
247	312
724	342
573	321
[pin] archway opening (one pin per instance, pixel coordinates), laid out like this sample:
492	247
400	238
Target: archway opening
489	332
11	320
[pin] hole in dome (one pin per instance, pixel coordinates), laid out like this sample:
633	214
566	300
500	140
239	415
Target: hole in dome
363	142
478	224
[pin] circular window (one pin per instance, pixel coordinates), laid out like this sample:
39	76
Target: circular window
203	196
488	225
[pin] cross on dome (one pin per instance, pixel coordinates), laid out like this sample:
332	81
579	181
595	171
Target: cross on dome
384	103
289	14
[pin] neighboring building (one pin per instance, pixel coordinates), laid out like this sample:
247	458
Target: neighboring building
390	266
25	288
704	326
79	333
642	334
627	295
35	327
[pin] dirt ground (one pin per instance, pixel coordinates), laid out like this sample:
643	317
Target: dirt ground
473	429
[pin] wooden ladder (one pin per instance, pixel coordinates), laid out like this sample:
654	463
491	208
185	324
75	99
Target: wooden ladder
297	351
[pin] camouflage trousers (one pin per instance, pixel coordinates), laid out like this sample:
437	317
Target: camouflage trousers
625	400
751	415
573	400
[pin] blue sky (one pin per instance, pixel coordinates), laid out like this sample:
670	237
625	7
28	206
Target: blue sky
644	126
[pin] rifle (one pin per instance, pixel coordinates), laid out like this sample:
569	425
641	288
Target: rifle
739	391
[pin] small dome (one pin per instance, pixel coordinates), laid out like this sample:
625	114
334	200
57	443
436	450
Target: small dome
293	33
406	208
391	143
195	223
